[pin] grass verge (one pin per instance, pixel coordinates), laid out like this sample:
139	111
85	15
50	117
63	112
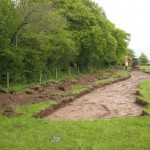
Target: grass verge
115	76
77	89
144	95
24	133
118	74
32	109
145	68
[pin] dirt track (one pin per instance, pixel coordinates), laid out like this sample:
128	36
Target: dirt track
114	100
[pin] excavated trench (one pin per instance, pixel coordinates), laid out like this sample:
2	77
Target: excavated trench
115	100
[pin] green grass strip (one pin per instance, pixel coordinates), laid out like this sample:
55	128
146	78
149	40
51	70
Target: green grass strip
145	68
145	94
31	109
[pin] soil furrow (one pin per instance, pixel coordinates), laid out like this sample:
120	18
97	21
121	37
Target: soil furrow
115	100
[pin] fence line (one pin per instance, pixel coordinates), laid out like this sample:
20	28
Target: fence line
41	76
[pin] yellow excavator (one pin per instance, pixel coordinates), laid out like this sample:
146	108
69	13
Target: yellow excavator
133	62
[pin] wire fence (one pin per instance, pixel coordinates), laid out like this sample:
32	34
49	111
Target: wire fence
9	79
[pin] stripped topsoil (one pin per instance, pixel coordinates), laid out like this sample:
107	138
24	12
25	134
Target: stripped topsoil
49	91
115	100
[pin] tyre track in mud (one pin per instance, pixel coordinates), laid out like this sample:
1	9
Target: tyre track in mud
115	100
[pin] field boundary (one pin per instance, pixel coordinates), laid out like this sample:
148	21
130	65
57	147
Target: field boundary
66	101
145	71
142	103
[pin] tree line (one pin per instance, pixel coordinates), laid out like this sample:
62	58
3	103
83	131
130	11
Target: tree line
40	35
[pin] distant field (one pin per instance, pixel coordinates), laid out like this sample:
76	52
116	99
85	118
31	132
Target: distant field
145	68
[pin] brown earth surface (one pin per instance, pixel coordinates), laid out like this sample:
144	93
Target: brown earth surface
115	100
50	90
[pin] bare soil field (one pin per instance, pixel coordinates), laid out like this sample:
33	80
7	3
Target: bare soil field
115	100
49	91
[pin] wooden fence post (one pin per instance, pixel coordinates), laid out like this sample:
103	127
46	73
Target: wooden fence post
69	71
8	80
40	77
56	74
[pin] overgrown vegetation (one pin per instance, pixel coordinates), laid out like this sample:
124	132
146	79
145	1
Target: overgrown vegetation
47	35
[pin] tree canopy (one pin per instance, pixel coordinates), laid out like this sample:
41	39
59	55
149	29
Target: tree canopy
143	59
42	34
130	52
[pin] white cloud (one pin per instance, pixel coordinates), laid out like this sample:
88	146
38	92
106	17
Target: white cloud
133	16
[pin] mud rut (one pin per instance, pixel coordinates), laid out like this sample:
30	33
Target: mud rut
114	100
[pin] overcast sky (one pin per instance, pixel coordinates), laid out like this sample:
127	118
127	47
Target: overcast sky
133	16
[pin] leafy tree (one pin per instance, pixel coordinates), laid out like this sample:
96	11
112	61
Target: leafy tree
8	58
98	40
143	59
130	53
8	17
40	35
